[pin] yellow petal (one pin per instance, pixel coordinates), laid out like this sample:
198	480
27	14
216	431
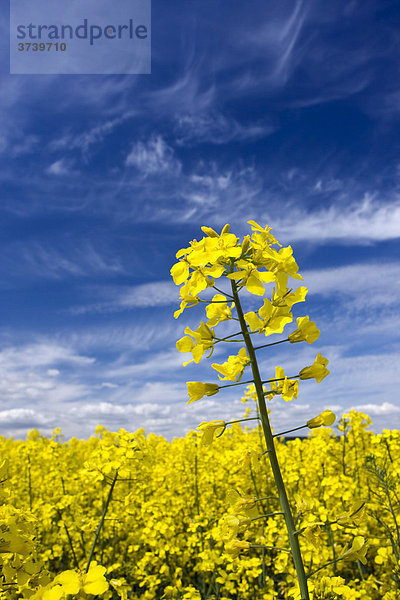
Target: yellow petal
180	272
237	275
70	581
254	286
54	593
266	276
185	344
94	581
253	320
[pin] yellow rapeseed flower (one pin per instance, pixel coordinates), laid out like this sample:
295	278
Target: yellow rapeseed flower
287	388
357	551
197	389
92	582
317	370
234	367
235	547
218	310
203	340
306	331
355	515
209	429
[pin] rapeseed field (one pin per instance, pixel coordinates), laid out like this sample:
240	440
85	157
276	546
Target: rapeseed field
164	531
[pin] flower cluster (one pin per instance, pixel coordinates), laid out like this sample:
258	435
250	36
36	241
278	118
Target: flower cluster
251	265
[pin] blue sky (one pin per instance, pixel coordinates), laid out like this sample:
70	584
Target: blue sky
286	113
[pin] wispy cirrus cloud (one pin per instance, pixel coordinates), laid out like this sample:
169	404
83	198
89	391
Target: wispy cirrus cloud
16	145
146	295
365	221
59	167
88	138
370	284
41	354
153	157
58	259
216	128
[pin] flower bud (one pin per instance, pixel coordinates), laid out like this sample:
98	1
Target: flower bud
245	244
324	419
209	231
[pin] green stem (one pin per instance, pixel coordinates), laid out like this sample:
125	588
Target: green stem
222	292
267	498
196	483
271	344
220	387
271	547
30	482
241	420
254	481
360	570
323	566
100	525
229	336
289	430
213	301
69	540
235	421
274	514
234	335
280	378
283	499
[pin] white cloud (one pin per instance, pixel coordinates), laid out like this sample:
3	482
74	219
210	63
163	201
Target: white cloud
351	223
23	418
140	335
156	363
59	167
185	92
369	284
41	354
219	195
58	259
15	143
278	38
107	384
155	156
28	375
53	372
127	410
217	128
157	293
384	409
91	137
